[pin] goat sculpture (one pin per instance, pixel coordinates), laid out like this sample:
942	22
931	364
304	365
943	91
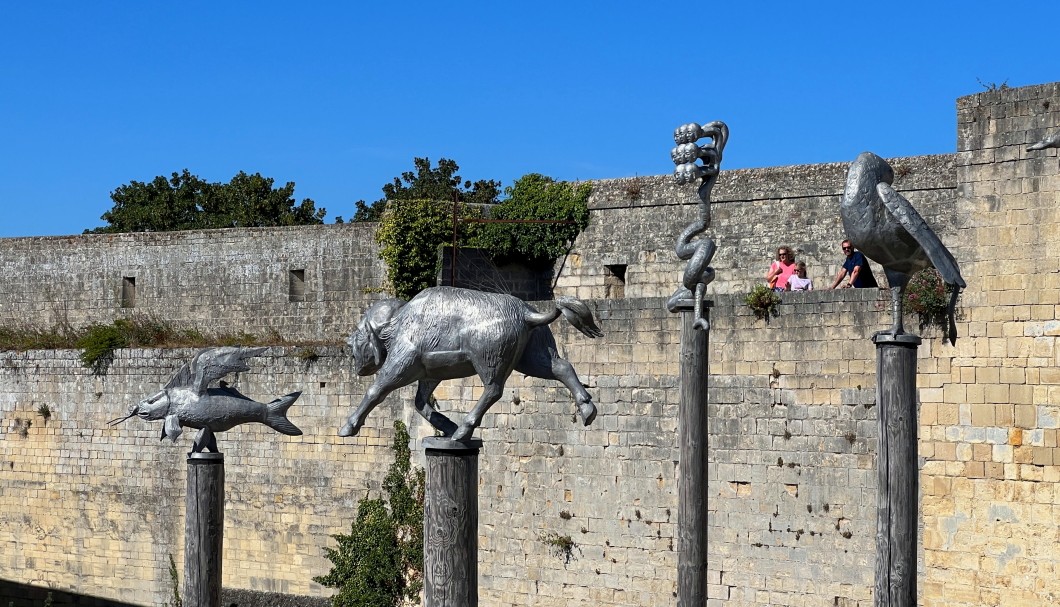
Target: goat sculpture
447	333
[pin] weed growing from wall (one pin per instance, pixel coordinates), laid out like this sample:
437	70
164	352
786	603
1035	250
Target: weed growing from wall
380	562
928	297
763	301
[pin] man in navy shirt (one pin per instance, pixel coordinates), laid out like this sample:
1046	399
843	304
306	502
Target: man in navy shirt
857	267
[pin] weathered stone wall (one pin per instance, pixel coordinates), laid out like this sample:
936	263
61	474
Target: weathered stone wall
792	486
237	280
88	506
635	222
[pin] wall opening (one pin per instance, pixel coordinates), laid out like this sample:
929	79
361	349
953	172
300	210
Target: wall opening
296	285
128	291
615	281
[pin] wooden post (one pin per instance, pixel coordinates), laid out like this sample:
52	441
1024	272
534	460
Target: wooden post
692	468
450	523
896	464
204	529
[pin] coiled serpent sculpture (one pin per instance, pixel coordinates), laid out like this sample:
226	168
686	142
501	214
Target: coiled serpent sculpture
698	273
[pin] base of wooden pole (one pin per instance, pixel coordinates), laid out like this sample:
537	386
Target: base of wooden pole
204	508
898	474
450	523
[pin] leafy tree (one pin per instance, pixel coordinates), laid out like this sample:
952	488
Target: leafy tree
535	196
380	562
426	183
186	202
410	233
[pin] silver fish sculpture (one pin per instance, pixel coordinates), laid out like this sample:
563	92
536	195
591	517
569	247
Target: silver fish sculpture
187	401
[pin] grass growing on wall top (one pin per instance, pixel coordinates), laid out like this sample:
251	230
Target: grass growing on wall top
98	342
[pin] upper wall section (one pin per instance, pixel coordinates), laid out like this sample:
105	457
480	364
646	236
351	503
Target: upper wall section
308	282
635	222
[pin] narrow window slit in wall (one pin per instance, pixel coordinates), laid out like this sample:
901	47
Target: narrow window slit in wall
296	285
128	291
615	281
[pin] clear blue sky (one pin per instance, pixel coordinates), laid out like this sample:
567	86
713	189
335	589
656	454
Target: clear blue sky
339	96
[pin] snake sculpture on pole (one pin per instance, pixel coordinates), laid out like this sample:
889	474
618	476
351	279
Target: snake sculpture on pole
698	273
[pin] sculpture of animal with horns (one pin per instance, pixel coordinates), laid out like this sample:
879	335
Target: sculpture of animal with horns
447	333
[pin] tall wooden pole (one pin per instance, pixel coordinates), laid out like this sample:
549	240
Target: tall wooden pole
896	463
450	523
692	469
204	529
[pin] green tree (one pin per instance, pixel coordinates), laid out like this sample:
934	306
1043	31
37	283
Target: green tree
380	562
186	202
536	197
440	183
409	235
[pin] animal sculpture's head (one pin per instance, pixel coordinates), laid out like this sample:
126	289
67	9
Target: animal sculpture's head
368	342
153	407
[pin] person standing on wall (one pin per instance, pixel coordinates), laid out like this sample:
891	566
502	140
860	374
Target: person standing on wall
781	269
857	267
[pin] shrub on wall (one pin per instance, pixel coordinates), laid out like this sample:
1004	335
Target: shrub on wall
409	235
927	296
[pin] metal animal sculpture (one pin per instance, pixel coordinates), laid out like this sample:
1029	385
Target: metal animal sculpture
447	333
698	273
886	228
1052	141
188	401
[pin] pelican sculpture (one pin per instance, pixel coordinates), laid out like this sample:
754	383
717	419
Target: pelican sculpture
884	226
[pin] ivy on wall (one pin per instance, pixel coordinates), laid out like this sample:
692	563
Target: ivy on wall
411	231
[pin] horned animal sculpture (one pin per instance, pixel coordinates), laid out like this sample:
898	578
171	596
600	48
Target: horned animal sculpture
448	333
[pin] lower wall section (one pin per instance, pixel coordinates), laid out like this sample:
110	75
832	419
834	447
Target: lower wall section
87	508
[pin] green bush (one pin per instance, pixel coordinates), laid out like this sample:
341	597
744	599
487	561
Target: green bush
98	344
763	301
535	196
380	562
410	233
927	296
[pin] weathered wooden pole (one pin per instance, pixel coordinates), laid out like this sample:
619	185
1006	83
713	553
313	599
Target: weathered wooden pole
692	468
204	509
896	463
450	523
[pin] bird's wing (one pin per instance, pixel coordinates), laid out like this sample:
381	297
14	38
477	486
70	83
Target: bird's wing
903	211
215	363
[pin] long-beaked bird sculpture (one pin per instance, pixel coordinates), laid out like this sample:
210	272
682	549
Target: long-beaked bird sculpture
884	226
189	401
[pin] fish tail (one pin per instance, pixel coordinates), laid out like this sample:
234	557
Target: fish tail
277	415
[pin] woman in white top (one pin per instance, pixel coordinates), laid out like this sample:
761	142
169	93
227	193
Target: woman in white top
798	280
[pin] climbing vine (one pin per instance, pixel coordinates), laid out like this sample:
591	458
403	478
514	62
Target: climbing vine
411	231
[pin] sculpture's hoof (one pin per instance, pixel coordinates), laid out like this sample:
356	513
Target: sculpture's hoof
464	432
701	324
349	429
587	411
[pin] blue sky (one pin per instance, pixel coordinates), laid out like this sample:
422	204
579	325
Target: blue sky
339	97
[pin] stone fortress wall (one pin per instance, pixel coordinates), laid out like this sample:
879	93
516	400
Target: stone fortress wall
792	480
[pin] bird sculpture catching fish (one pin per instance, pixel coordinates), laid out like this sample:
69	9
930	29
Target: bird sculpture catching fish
188	401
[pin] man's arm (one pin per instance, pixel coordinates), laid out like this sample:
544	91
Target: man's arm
854	274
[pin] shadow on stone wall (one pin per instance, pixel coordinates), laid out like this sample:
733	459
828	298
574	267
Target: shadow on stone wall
24	595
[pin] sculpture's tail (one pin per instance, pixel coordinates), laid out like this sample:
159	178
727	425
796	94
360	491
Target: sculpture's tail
578	314
277	415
